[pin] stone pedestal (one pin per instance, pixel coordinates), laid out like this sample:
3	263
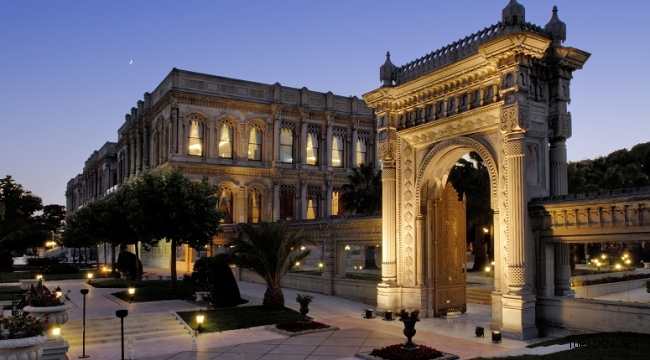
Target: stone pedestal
497	317
55	350
518	317
388	296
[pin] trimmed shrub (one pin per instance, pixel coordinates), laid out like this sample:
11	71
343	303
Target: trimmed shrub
214	275
60	268
42	261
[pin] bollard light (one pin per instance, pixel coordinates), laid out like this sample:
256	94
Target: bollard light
199	320
58	292
39	277
480	331
83	292
132	294
496	336
90	278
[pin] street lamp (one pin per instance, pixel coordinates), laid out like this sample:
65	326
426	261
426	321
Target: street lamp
84	292
122	314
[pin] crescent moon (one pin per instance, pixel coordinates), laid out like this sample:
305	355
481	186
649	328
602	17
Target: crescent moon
130	62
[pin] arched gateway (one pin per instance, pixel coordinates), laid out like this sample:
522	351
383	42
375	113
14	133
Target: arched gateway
503	93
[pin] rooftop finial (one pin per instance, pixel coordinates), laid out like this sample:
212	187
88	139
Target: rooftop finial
556	29
388	72
513	14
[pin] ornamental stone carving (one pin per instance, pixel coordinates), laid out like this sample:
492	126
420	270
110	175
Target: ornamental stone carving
515	118
559	126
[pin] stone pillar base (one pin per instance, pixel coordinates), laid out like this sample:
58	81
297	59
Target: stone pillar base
568	293
518	317
55	350
497	320
388	296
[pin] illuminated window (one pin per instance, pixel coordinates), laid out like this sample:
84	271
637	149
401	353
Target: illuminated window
254	206
196	138
255	144
286	145
225	141
312	148
336	198
313	197
361	151
225	205
337	151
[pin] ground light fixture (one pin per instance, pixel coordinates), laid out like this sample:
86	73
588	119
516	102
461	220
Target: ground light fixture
56	332
480	331
487	270
131	294
58	292
90	278
496	336
122	314
199	320
39	277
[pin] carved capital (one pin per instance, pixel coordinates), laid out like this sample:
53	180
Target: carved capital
386	150
559	126
515	118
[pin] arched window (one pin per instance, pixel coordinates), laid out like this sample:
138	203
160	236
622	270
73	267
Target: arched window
337	209
361	150
313	199
337	149
225	141
196	138
255	144
286	202
312	148
254	206
286	145
225	204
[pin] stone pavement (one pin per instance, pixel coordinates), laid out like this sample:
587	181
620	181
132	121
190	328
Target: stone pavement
453	334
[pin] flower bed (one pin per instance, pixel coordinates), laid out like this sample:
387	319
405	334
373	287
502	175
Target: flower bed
396	352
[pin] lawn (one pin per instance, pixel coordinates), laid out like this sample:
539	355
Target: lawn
29	272
600	346
238	318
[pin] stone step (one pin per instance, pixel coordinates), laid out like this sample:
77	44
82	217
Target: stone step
141	327
478	296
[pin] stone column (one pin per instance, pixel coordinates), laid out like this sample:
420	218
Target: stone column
559	186
419	250
558	167
517	214
302	142
277	124
174	131
147	148
328	198
355	139
389	264
276	201
328	139
131	147
563	271
138	153
303	199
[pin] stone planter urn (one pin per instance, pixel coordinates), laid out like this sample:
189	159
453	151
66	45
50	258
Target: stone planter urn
409	332
22	349
646	264
26	284
304	309
57	315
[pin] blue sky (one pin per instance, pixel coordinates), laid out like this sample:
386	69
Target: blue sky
66	82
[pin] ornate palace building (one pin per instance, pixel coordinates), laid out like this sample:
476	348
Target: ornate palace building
275	152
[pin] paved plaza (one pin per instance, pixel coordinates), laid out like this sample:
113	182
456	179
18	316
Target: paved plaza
453	334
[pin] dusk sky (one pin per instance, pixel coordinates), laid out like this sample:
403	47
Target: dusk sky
71	70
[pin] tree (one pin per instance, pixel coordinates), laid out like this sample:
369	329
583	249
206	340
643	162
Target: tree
362	193
174	208
270	250
22	225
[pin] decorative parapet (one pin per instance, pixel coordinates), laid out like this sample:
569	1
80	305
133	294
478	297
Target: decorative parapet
457	50
597	216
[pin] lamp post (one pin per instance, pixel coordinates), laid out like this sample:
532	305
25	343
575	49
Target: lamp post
122	314
199	320
84	292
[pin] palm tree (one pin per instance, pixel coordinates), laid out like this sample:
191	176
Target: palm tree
362	193
269	250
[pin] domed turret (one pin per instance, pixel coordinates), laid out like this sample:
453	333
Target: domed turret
556	29
513	14
388	72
